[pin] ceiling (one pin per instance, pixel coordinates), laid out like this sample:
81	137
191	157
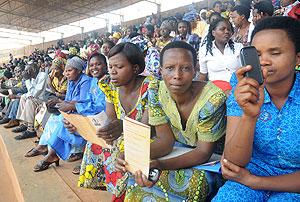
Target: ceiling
42	15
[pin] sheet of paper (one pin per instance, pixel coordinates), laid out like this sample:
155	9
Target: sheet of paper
40	115
212	165
136	146
87	126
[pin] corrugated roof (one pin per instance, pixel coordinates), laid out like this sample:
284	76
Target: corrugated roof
42	15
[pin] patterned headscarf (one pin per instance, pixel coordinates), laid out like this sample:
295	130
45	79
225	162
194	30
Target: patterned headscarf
73	51
141	42
59	53
93	48
59	62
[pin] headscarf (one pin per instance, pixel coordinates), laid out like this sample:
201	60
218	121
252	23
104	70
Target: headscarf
191	15
75	62
59	62
59	53
93	48
141	42
117	35
200	14
73	51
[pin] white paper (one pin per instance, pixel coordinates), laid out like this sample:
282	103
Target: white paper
136	146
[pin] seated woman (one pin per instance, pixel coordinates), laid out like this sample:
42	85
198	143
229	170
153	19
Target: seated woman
187	111
165	38
219	55
77	100
55	90
97	69
57	82
262	155
126	95
184	33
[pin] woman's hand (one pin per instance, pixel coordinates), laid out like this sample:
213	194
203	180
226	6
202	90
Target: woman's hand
142	180
52	102
71	128
236	173
111	131
248	93
121	163
66	106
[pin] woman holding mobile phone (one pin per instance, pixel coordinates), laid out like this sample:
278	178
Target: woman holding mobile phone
262	156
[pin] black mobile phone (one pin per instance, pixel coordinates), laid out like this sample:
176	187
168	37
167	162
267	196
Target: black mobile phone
249	56
154	174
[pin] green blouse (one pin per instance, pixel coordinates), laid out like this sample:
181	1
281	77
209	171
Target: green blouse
206	122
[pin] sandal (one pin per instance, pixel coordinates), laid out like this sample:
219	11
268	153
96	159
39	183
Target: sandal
75	157
26	134
44	165
34	152
76	170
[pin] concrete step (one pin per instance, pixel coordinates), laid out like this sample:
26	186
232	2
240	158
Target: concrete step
18	182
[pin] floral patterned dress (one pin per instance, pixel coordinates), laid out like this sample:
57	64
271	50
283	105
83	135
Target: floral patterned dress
97	168
205	123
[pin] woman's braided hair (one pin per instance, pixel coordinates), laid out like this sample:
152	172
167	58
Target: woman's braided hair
210	38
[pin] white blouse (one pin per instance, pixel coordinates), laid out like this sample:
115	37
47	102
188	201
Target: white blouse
220	66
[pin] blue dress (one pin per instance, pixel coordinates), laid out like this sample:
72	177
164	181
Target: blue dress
275	147
90	100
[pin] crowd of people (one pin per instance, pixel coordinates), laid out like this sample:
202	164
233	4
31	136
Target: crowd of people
181	75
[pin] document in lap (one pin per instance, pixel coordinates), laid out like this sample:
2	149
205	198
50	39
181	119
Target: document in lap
213	164
87	126
136	146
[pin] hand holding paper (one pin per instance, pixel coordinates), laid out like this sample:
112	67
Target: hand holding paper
88	125
137	146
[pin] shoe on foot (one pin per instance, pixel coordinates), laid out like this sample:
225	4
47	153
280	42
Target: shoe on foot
75	157
44	165
4	120
26	134
12	123
20	129
34	152
76	169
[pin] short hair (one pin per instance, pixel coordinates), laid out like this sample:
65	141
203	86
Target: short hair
246	3
150	27
242	10
109	42
214	14
179	44
217	2
100	56
132	53
289	25
231	3
188	24
265	7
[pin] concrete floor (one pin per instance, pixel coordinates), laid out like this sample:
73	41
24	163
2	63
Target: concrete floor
55	184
